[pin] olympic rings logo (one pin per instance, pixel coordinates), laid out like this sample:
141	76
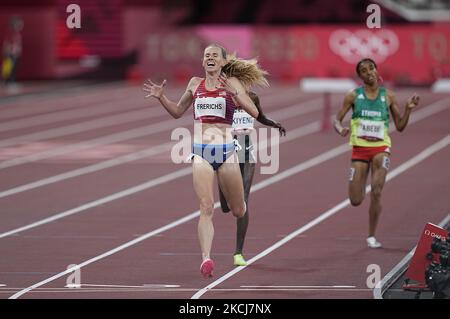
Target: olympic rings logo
353	46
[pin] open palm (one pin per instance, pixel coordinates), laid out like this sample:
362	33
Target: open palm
413	101
153	89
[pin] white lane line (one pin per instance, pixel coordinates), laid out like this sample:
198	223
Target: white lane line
74	106
116	101
289	289
67	115
327	214
160	285
110	252
114	138
169	289
128	244
302	131
418	116
338	150
2	285
303	287
104	200
89	169
313	127
179	290
56	105
403	167
86	126
122	286
96	142
288	112
78	288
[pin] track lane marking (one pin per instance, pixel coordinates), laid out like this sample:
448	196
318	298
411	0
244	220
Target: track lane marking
441	144
403	167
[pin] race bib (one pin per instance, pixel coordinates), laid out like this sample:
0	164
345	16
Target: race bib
242	120
371	130
210	106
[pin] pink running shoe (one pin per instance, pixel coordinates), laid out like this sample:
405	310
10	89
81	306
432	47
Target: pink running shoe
207	267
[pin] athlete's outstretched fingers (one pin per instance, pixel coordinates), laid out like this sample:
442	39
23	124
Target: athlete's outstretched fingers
148	88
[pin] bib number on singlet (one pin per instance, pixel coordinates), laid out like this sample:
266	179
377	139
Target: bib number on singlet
371	130
210	106
242	120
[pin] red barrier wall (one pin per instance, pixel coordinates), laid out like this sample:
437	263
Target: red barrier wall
404	54
100	33
38	40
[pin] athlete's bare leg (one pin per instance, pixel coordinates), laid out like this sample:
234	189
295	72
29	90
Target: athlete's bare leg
247	172
380	166
203	175
230	182
357	182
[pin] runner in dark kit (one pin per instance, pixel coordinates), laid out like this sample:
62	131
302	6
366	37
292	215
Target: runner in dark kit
248	72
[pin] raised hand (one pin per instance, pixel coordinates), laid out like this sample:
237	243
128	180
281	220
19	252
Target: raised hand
226	85
280	128
153	89
341	130
344	131
413	101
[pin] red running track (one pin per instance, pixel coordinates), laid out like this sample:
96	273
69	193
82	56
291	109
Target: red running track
83	219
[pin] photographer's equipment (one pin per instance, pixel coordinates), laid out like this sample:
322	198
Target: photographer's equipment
429	267
420	262
437	275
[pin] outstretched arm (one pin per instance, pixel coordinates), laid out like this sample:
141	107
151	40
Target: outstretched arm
337	123
402	121
262	118
174	109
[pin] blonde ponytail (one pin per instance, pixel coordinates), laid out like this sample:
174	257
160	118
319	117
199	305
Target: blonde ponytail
247	71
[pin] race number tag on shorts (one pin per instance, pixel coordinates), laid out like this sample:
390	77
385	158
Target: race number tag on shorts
373	130
242	120
386	162
351	174
210	106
